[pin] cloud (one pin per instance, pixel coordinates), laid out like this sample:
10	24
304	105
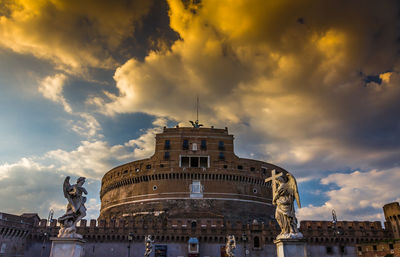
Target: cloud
144	145
86	125
294	92
51	88
72	34
26	183
31	179
90	159
31	186
356	196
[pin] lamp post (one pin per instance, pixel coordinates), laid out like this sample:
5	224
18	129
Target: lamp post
50	217
130	238
244	239
336	231
43	244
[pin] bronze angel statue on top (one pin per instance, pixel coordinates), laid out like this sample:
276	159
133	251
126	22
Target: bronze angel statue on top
285	195
196	124
76	209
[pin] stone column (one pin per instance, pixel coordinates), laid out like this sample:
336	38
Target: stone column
67	247
291	248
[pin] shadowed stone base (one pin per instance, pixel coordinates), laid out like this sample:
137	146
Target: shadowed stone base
66	247
290	248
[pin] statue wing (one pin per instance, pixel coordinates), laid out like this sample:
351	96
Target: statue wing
66	188
293	185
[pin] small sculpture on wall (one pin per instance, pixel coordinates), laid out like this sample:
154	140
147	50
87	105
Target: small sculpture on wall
76	209
148	245
230	246
285	193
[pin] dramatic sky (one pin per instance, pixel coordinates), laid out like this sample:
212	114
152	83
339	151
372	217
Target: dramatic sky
312	86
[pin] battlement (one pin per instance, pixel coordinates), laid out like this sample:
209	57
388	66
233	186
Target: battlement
343	225
216	229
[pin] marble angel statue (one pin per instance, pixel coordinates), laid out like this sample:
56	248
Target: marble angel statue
148	245
76	209
230	246
284	196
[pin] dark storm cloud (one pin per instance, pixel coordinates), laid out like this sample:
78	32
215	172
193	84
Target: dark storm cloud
72	34
153	34
290	90
295	84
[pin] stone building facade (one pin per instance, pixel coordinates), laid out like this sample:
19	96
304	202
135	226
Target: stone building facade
392	215
389	247
15	231
111	238
193	171
191	194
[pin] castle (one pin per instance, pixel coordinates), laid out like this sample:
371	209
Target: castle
191	194
194	171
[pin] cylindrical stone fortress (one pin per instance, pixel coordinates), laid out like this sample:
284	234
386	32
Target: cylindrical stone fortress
194	172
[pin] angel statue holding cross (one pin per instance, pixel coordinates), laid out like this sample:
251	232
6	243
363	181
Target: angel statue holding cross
284	194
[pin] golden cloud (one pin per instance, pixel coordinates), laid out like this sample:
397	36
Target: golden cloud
73	34
287	71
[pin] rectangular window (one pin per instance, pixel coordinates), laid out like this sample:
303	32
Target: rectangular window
221	146
167	145
166	156
374	247
240	167
203	162
221	156
185	145
391	246
203	145
194	162
184	161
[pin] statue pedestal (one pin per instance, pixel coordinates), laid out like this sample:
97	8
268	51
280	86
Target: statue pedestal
67	247
291	248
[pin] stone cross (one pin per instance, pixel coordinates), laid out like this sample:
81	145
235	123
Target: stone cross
273	179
